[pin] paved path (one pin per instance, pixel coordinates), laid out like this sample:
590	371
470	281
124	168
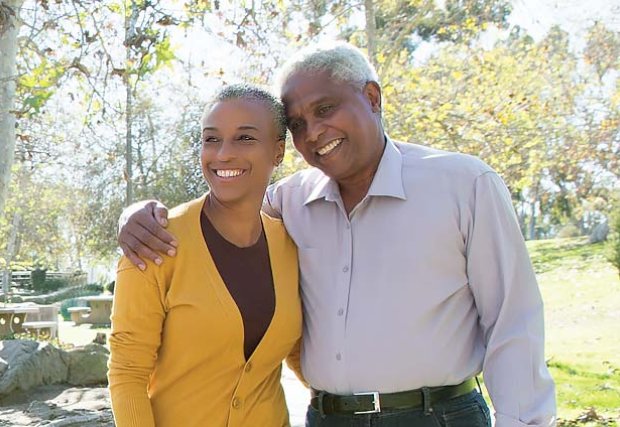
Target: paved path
297	397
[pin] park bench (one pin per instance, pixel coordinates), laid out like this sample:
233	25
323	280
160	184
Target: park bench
47	312
49	327
79	315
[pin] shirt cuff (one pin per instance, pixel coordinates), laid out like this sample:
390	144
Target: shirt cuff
502	420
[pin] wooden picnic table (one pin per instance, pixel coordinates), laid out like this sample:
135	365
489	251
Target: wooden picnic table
13	316
100	309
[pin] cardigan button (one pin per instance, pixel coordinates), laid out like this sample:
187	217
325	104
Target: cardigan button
236	403
248	367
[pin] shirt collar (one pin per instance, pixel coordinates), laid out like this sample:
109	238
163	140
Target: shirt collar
387	181
325	188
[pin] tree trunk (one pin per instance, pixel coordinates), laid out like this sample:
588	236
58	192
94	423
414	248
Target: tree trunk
9	27
128	147
532	228
130	26
10	254
371	27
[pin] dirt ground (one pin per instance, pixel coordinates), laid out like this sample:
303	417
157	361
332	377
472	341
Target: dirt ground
57	405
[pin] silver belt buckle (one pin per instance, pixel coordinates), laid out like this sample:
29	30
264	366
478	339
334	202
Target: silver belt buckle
375	401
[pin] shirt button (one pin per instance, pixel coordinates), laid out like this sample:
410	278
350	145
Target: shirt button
338	356
345	268
340	312
236	403
248	367
348	225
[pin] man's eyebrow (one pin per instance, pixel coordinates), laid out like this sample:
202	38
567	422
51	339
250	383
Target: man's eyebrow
311	104
320	100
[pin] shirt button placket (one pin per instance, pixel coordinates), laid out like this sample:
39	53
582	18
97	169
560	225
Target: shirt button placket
345	289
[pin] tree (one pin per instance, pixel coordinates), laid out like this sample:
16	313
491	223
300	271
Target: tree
166	164
395	27
9	18
34	229
512	105
9	27
613	242
602	49
147	47
601	113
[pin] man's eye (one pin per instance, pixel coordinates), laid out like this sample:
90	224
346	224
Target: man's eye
294	125
324	109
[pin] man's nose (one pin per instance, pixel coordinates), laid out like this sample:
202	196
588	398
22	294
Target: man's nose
315	128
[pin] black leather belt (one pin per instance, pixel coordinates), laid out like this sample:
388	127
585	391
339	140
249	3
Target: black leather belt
372	402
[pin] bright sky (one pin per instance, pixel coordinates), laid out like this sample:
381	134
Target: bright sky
538	16
574	16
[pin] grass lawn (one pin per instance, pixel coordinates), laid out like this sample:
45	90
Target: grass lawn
581	291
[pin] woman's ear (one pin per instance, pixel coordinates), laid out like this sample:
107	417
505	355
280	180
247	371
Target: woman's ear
372	91
280	145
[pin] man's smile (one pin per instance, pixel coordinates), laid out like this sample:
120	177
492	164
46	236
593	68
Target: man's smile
326	149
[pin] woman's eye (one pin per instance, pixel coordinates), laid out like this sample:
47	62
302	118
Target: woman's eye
246	138
209	140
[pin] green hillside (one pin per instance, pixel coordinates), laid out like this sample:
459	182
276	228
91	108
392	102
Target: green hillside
581	291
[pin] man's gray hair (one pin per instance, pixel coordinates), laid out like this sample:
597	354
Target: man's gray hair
252	93
343	61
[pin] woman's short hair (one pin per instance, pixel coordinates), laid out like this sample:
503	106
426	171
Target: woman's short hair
343	61
252	93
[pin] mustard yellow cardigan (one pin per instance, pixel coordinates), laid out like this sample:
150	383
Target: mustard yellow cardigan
177	337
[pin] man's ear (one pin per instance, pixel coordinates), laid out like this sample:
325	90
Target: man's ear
372	91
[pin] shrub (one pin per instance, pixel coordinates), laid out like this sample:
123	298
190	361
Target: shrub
71	302
54	284
93	288
613	241
38	278
75	301
569	230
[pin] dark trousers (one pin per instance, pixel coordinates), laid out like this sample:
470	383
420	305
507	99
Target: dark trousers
469	410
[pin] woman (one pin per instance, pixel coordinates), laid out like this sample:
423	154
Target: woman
199	340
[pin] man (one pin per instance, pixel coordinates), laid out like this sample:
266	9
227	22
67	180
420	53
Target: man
414	273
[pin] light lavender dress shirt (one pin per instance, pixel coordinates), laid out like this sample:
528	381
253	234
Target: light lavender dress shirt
427	282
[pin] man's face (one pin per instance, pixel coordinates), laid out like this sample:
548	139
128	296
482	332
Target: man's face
335	126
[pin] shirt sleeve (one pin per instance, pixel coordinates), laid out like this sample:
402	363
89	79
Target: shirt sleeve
510	310
293	361
272	202
137	319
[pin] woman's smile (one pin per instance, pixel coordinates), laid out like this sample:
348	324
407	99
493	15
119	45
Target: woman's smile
229	173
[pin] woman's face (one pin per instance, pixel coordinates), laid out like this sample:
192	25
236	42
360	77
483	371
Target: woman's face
240	148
